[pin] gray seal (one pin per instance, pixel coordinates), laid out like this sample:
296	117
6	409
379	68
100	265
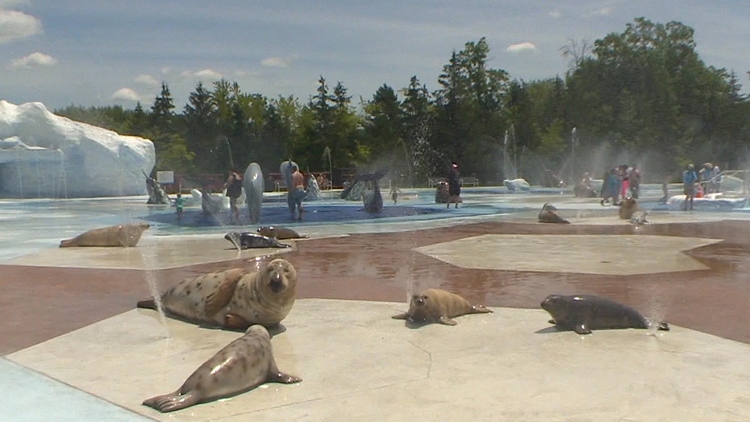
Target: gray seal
279	232
248	240
240	366
253	183
548	214
583	313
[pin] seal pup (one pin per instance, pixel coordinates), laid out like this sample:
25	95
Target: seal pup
639	218
548	214
279	232
240	366
233	299
628	207
583	313
437	305
247	240
124	235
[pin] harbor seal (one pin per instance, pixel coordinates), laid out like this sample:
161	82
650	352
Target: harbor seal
279	232
583	313
247	240
240	366
548	214
124	235
235	298
628	207
437	305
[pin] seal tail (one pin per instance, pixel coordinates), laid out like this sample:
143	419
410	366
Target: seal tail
66	243
146	304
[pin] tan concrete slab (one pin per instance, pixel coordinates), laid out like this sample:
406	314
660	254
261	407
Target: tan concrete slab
588	254
358	364
152	252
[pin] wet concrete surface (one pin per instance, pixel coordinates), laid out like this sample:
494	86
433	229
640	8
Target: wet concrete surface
43	302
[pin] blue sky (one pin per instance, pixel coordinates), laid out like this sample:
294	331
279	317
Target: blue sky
105	52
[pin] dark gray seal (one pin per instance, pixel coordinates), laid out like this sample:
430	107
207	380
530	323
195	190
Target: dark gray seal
583	313
247	240
548	214
279	232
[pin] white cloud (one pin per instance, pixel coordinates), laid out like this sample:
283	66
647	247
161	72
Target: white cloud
146	80
601	12
208	74
555	14
16	25
277	62
126	94
166	70
201	74
32	61
524	46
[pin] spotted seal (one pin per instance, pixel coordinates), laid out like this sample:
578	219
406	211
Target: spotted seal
247	240
235	298
583	313
123	235
240	366
437	305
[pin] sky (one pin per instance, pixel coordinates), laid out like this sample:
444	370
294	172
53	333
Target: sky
114	52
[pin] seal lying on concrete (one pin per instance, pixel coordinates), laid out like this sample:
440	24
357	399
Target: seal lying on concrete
234	298
125	235
628	207
548	214
242	365
583	313
253	240
279	232
437	305
638	218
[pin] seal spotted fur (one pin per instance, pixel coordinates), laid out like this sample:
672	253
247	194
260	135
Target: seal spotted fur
583	313
124	235
240	366
234	298
437	305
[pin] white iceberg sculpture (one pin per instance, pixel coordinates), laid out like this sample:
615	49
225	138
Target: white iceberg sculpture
45	155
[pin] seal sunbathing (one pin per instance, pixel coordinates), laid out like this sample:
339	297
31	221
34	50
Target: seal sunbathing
583	313
437	305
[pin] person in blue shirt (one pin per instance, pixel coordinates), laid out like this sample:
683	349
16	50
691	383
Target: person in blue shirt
689	178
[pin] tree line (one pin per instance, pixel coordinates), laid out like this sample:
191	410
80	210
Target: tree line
642	95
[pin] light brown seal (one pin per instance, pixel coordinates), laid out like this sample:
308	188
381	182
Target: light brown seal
548	214
279	232
628	207
240	366
125	235
234	298
437	305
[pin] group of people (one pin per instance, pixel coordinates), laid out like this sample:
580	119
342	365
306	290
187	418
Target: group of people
706	180
620	182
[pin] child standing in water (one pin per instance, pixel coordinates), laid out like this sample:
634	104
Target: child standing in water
179	203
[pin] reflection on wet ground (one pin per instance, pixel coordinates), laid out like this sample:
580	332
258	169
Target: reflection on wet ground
382	266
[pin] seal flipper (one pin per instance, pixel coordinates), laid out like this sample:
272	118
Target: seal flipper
480	309
446	321
146	304
582	328
223	294
401	316
276	376
171	402
234	321
663	326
